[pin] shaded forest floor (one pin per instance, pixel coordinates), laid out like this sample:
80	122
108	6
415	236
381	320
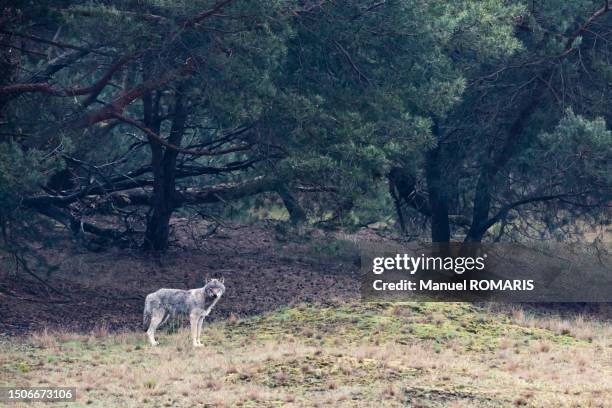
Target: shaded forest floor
290	331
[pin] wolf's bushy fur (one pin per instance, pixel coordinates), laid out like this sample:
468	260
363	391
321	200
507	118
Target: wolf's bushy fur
164	303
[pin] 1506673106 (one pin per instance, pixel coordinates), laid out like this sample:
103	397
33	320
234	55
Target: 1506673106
37	394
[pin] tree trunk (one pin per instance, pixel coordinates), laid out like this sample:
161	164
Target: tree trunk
297	215
482	205
163	163
158	222
438	193
403	190
438	197
495	162
397	200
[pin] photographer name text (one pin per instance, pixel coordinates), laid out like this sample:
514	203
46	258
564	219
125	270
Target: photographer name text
465	285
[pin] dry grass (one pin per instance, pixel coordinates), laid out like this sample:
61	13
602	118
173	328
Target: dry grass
424	355
578	326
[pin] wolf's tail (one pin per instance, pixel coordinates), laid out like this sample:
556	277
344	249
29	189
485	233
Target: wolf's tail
146	316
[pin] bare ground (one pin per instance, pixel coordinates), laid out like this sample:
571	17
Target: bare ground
262	271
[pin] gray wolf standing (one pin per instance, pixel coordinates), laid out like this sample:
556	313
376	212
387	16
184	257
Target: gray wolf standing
160	305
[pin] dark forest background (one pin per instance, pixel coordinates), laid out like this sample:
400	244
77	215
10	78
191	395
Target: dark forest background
462	120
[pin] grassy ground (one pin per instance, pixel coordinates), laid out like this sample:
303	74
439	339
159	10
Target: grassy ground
347	354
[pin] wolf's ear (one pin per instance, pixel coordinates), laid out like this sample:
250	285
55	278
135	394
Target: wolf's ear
206	279
222	279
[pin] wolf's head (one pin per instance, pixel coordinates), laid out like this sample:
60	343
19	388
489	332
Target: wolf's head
214	288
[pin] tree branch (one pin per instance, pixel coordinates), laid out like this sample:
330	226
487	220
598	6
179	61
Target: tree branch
351	62
178	149
505	209
55	43
570	42
120	102
205	14
56	65
45	87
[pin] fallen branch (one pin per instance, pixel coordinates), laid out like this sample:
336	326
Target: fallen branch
27	269
210	195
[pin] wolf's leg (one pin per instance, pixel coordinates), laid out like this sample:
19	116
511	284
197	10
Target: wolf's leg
156	318
166	317
193	320
200	323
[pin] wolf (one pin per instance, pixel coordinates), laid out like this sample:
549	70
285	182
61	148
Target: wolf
162	304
